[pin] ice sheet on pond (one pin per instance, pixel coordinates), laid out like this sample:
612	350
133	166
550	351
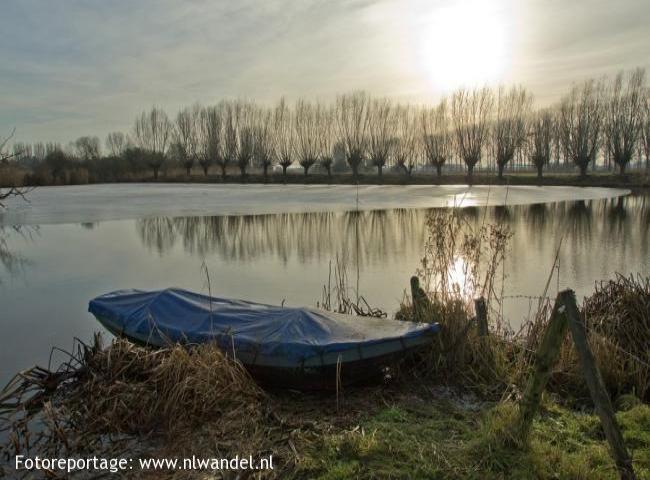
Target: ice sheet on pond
94	203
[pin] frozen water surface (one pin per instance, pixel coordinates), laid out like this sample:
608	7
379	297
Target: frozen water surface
94	203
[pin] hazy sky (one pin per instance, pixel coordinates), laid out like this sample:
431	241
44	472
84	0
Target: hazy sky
73	67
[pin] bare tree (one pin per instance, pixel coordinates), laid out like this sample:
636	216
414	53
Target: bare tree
306	133
116	143
352	123
624	117
284	136
326	138
239	139
581	121
645	128
382	123
540	139
470	112
264	149
186	137
5	157
57	161
38	150
437	140
22	152
406	137
87	148
509	127
152	132
210	130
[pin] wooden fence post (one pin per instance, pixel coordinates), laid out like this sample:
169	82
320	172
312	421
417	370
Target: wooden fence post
597	388
421	303
545	358
481	317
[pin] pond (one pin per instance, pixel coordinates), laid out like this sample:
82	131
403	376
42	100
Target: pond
275	244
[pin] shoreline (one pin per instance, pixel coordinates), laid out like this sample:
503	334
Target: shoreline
634	181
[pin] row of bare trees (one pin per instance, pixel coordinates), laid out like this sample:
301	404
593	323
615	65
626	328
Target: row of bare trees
596	119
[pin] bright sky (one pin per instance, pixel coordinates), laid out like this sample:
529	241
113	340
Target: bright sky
87	67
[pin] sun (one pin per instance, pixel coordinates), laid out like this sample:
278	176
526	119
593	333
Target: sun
464	43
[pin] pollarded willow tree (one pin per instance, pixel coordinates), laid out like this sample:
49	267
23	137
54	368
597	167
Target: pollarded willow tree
405	141
210	129
186	137
437	139
230	141
471	114
306	133
381	132
581	122
352	121
540	139
509	129
152	133
624	117
243	116
326	139
263	147
284	136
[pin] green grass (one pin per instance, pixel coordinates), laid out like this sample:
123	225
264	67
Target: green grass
441	439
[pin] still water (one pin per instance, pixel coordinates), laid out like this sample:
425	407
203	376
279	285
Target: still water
273	244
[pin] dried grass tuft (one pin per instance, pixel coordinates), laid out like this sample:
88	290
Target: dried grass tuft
104	394
617	318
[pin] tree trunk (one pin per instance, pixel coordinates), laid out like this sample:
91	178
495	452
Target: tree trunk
621	167
155	173
189	169
583	169
205	170
266	172
501	166
355	170
439	169
539	172
329	172
380	170
242	169
223	171
470	172
284	173
306	168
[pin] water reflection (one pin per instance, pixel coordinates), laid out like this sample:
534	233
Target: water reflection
369	237
373	237
12	263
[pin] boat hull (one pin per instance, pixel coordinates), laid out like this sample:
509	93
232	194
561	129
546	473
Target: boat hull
299	348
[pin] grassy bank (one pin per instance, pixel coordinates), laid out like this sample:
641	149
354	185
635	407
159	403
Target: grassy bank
633	181
132	402
443	435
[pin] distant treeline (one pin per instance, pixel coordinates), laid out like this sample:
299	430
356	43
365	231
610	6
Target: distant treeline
599	121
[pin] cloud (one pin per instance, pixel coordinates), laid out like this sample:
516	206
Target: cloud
88	67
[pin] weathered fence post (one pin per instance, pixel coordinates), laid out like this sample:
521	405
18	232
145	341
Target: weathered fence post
545	358
421	303
597	388
481	316
566	315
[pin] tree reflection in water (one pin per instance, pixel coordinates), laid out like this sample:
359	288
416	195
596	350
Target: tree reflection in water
375	237
13	263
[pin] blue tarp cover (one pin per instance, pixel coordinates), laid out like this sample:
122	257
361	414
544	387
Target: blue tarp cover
294	333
